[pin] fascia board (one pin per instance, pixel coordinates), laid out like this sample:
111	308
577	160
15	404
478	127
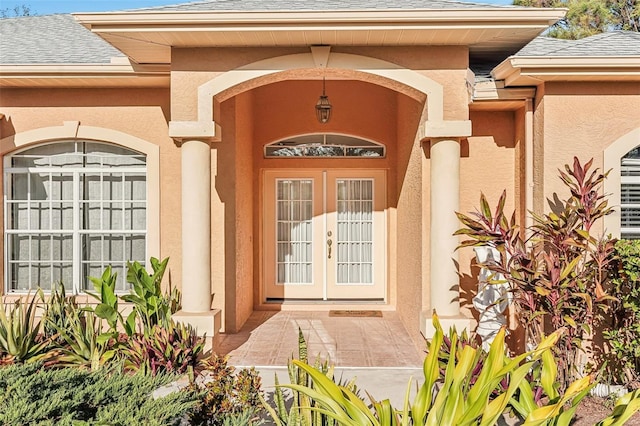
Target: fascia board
542	68
126	74
163	21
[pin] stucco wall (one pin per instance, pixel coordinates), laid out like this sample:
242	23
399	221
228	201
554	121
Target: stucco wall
142	113
232	202
489	166
582	119
412	262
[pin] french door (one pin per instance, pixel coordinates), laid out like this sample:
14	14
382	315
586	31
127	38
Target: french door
324	234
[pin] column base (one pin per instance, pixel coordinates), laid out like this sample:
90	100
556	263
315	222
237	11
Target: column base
459	322
206	323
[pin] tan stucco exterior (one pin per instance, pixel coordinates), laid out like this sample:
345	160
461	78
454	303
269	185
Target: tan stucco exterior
207	112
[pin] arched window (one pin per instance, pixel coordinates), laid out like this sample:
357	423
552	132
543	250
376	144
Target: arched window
630	194
72	208
324	145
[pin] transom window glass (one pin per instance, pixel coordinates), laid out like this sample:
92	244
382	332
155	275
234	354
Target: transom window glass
324	145
630	195
72	208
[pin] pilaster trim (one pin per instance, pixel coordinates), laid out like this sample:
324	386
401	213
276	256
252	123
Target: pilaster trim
206	131
447	129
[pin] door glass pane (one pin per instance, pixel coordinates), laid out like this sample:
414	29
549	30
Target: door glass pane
354	231
294	215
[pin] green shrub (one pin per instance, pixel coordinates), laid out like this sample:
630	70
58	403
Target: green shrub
558	276
231	397
172	348
623	335
32	395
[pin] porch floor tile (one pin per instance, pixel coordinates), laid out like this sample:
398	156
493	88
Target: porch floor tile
271	338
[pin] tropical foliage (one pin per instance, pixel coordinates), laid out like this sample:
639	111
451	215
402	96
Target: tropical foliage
450	397
558	276
623	333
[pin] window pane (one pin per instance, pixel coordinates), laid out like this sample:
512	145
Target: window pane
19	186
135	216
19	216
61	187
135	187
112	214
92	247
135	248
91	216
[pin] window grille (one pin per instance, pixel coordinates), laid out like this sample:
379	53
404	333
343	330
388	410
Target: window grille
630	195
71	209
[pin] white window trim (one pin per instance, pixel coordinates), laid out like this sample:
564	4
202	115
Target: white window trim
74	130
612	162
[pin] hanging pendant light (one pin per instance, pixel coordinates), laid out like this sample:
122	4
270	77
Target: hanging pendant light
323	107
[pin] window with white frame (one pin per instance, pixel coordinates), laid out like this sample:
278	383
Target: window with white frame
71	209
630	195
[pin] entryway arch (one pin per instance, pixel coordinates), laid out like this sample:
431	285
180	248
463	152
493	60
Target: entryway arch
277	68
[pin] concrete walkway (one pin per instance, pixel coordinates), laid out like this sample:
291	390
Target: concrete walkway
378	351
381	383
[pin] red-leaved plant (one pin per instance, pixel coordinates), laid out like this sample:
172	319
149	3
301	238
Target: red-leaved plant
557	275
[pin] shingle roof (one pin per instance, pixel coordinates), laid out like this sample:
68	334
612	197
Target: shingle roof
55	39
615	43
286	5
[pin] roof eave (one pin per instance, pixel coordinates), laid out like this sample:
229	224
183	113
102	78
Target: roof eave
115	74
533	70
169	19
147	37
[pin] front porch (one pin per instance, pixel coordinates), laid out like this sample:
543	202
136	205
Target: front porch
271	339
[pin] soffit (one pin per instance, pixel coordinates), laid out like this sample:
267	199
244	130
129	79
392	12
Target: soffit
147	37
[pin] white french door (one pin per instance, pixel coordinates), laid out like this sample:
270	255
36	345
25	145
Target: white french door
324	234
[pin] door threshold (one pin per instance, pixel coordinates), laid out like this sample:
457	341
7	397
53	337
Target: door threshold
322	305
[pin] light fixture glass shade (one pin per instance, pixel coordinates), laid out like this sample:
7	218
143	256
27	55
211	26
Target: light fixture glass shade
323	109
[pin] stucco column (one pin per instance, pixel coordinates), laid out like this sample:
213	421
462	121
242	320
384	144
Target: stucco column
196	226
445	201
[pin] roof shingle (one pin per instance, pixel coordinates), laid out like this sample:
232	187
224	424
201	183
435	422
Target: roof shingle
615	43
57	39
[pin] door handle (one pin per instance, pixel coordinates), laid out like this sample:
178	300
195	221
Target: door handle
329	243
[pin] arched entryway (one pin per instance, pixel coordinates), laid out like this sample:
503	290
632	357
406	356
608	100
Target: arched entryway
242	110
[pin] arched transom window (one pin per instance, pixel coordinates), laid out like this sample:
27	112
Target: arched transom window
630	194
324	145
72	208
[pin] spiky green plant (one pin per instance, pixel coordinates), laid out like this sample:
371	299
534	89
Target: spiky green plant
56	312
19	331
304	410
84	344
457	400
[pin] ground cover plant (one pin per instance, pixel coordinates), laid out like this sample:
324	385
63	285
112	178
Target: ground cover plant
34	395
